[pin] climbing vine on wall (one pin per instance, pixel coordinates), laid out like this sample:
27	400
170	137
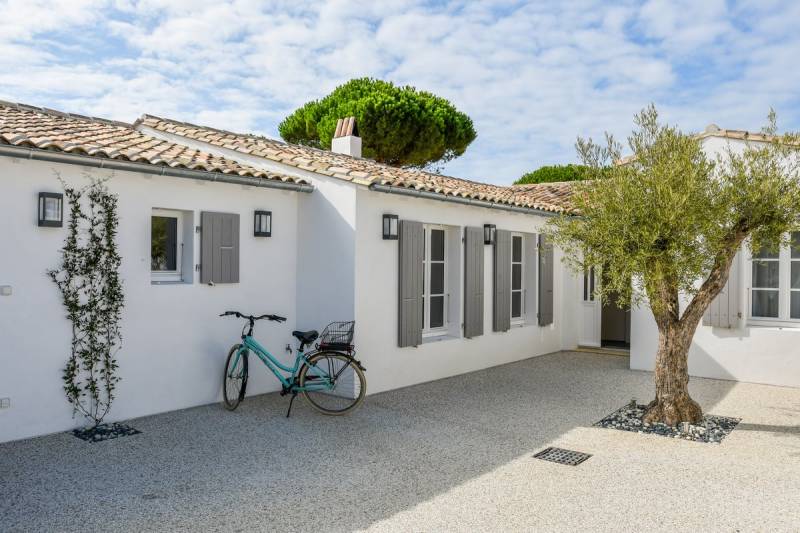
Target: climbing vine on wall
91	291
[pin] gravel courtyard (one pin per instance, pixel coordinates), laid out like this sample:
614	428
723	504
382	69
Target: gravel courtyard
453	455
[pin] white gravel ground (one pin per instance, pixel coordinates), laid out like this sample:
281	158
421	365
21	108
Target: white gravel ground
453	455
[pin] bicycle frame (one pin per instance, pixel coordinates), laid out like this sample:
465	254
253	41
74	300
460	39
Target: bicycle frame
249	344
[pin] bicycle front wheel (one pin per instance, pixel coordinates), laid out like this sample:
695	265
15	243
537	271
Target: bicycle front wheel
234	382
332	383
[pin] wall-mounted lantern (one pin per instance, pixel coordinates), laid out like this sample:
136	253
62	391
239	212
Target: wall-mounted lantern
488	233
51	209
390	223
262	224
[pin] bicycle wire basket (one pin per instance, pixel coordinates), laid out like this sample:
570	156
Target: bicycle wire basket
337	336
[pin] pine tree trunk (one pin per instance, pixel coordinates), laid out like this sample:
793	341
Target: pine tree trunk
673	404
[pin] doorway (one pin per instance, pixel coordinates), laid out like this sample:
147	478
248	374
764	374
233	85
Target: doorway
615	323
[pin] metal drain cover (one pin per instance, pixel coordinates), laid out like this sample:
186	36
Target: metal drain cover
560	455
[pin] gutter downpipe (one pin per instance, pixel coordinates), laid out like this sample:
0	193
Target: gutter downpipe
36	154
460	200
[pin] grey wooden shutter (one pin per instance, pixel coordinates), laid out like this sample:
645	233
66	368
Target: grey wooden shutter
473	282
724	311
412	249
219	247
502	280
529	249
546	270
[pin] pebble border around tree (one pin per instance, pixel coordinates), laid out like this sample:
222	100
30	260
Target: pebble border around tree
91	291
712	428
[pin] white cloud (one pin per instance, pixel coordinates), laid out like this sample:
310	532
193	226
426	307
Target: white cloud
533	76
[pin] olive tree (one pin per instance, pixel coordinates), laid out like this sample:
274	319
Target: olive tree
665	223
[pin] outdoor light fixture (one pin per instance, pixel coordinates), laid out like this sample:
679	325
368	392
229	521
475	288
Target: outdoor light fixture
262	224
488	233
51	209
390	223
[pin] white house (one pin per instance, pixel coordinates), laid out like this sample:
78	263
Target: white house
430	298
326	259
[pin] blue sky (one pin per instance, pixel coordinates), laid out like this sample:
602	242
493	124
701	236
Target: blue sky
532	75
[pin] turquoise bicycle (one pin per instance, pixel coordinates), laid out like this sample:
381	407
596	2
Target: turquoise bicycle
329	377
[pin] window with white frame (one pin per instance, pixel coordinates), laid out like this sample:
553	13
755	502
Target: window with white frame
775	282
166	245
434	281
517	278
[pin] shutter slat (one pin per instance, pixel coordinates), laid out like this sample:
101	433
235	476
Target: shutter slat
546	271
473	282
724	311
411	251
502	280
529	244
219	247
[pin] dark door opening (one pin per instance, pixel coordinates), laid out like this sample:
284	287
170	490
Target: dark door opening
615	323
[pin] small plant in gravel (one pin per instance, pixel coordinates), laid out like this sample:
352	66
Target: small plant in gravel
91	291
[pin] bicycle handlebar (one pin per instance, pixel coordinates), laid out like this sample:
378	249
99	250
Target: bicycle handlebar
237	314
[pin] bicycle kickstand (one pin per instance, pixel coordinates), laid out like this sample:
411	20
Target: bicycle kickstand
289	411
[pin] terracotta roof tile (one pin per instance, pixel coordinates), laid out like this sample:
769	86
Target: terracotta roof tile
546	197
31	127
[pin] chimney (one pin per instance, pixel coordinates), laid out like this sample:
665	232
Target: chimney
346	140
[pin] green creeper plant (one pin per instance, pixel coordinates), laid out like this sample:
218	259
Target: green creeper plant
399	126
665	224
91	291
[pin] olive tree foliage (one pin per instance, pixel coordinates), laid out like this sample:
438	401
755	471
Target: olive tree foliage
399	126
664	226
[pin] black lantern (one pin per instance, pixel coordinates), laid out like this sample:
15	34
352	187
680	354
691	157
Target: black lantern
390	223
262	224
51	209
488	233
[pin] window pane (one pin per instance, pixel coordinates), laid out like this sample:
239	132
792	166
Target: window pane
437	245
765	303
437	278
796	274
765	274
163	244
767	251
585	285
516	249
516	304
516	276
795	245
437	311
795	308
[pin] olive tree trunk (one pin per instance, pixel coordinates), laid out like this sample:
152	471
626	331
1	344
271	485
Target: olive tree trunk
672	403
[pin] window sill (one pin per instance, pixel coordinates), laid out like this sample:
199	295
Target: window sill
438	338
773	325
168	282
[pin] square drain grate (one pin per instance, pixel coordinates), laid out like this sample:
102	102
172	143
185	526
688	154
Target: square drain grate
562	456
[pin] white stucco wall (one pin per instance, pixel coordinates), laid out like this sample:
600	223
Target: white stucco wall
751	353
326	221
390	367
174	343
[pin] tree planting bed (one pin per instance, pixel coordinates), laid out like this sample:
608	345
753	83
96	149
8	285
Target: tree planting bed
713	428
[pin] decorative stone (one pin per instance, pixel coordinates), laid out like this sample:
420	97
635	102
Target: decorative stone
713	428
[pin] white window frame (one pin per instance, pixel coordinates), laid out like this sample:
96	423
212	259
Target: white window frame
521	318
428	331
589	279
784	290
162	276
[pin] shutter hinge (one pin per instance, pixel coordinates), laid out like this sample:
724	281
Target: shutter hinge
198	229
197	267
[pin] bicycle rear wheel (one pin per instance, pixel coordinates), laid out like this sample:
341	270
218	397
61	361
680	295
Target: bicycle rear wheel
336	383
234	382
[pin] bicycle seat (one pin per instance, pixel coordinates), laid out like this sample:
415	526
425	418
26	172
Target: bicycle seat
306	337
